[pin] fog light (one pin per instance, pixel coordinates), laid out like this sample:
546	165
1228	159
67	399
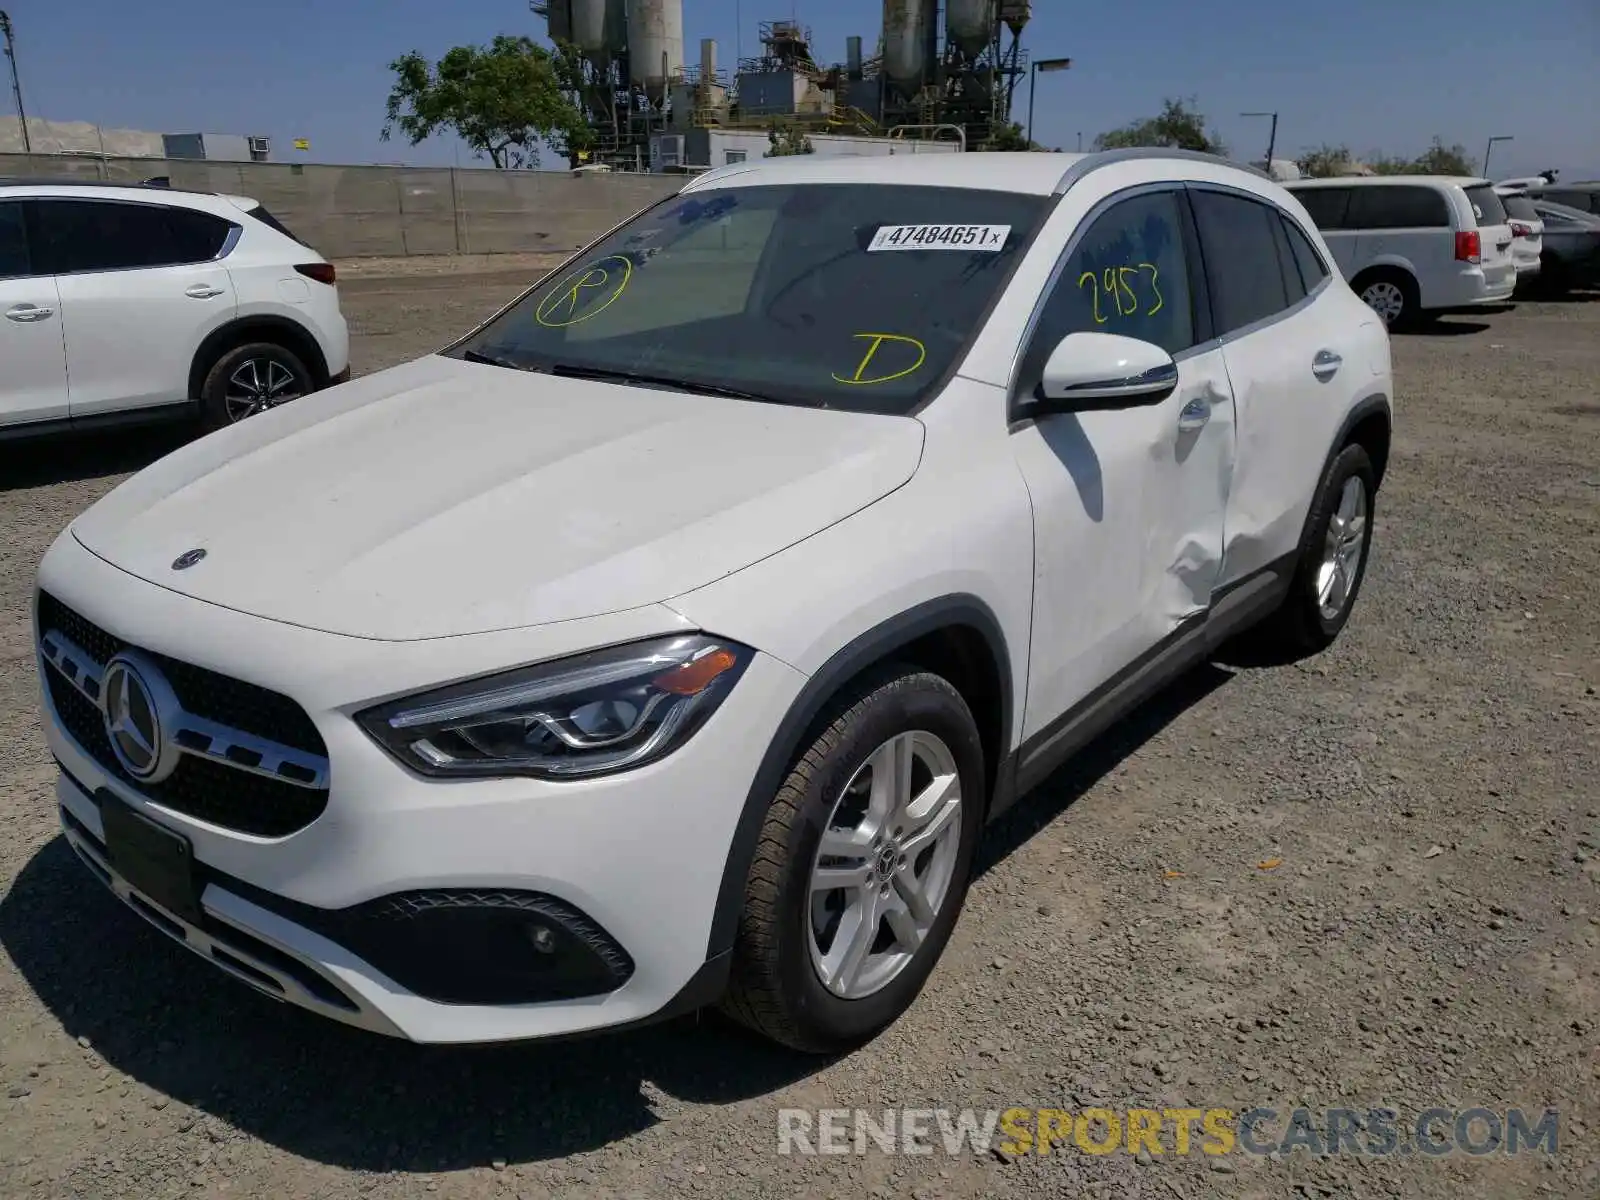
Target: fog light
543	938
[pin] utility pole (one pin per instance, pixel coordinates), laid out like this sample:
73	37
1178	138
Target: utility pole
1489	149
1272	138
16	80
1041	64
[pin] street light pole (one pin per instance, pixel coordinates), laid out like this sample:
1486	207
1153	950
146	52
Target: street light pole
1272	138
16	80
1043	64
1489	149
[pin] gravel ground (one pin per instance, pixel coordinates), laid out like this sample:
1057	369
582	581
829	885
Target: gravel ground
1427	935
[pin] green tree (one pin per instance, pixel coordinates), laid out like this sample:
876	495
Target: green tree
1324	161
1179	125
500	99
1439	159
785	142
1009	137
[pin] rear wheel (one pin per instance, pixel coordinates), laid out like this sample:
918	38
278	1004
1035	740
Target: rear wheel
1392	295
250	379
862	866
1332	562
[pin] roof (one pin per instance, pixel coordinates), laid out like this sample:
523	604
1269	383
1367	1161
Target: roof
1376	180
1030	173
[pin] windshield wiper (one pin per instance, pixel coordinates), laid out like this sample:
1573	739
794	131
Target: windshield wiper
494	360
575	371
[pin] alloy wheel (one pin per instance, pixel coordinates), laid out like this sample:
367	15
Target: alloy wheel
885	864
258	384
1342	549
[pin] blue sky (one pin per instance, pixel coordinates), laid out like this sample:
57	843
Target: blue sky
1375	74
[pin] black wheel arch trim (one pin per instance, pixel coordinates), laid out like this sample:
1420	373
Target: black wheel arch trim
1372	405
876	645
240	331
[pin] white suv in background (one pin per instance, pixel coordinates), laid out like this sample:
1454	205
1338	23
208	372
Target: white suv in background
1414	246
672	637
126	301
1527	230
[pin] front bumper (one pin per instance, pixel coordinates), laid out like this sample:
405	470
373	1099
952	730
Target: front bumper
632	862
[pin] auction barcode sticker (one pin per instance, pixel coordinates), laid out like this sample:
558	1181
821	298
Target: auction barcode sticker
991	238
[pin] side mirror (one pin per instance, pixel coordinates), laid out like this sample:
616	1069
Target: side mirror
1090	371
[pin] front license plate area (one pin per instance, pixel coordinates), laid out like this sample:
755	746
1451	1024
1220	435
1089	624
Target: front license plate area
156	862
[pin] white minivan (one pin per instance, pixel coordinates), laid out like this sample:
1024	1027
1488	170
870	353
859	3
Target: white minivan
1414	246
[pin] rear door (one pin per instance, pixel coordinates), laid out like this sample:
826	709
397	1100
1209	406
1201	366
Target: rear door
1330	208
141	286
1494	228
33	369
1293	347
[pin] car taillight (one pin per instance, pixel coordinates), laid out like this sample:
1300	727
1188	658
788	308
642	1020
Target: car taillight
1518	229
1469	247
324	273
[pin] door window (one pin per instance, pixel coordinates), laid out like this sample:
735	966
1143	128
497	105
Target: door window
1327	206
1399	207
1312	269
1238	238
1128	274
111	235
13	241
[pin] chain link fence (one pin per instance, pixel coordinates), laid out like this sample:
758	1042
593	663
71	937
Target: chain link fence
357	212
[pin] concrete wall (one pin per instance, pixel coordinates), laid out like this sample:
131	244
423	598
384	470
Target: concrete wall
352	212
76	137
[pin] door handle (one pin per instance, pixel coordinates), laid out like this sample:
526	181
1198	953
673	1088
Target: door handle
203	291
29	312
1193	416
1326	365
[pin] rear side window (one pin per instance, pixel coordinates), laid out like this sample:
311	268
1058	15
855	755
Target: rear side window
1588	202
1238	240
1327	206
1312	269
109	235
13	240
1520	207
1486	206
1399	207
260	213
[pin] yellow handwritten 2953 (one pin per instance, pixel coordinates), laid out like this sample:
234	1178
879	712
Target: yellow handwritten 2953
1114	291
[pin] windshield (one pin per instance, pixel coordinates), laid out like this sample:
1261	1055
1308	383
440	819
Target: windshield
834	295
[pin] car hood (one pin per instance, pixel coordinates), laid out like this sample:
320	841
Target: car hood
445	497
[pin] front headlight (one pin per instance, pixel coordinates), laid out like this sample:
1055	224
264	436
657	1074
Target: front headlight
600	712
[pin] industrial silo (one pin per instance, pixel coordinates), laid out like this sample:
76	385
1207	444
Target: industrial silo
969	24
655	44
599	27
906	26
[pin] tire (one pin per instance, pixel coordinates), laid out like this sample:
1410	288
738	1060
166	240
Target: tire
1393	295
223	395
1304	624
786	938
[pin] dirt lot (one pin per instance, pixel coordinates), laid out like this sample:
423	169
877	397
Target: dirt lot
1428	938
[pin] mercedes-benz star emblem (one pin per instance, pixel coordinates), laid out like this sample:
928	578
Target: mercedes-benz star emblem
188	559
134	700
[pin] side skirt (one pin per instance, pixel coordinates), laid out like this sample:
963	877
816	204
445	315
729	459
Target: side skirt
1243	604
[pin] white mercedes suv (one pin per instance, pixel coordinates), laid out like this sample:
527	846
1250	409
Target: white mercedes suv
129	302
670	639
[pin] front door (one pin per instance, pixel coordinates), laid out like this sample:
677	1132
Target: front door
1128	505
33	372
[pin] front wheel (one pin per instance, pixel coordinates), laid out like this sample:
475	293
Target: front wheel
251	379
862	866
